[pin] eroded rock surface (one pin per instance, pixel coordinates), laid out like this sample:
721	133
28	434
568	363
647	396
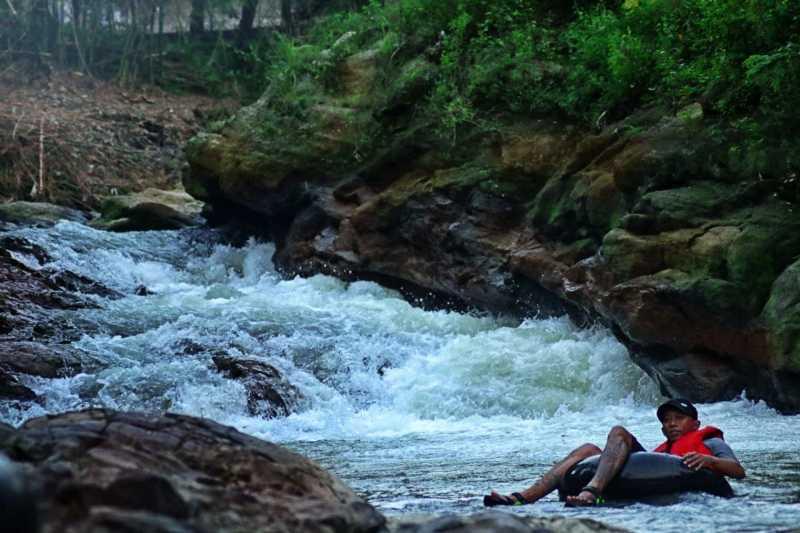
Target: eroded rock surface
105	471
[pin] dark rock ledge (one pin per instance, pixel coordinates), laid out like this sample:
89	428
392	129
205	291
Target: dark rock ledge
104	471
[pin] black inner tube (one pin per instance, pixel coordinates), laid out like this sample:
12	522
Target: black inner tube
646	474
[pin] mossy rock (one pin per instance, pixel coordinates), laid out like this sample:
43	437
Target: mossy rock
690	205
554	211
721	297
38	213
782	316
768	243
700	252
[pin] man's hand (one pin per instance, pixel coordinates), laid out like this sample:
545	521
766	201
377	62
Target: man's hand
726	467
696	461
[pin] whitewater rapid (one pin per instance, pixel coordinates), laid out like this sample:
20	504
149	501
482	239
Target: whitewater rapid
418	410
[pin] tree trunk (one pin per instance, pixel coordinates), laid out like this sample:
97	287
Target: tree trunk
287	20
76	13
197	17
248	16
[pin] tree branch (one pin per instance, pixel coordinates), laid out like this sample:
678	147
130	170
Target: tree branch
11	7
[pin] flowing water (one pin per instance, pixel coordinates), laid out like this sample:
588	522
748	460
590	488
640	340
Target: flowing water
419	411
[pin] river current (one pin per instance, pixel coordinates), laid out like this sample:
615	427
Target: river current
419	411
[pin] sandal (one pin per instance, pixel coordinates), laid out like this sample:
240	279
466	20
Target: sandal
493	500
598	498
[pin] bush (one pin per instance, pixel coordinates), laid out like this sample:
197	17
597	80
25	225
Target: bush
582	59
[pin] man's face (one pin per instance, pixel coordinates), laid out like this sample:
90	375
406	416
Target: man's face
676	424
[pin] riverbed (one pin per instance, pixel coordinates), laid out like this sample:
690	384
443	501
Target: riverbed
420	411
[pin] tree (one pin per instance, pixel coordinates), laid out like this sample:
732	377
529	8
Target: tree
248	16
197	16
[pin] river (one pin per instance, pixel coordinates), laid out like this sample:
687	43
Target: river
419	411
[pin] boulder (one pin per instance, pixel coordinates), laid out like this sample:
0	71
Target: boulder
101	470
269	394
151	209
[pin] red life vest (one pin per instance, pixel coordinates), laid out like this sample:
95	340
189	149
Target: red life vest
691	442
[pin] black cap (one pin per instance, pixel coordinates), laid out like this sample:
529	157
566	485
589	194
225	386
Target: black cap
678	404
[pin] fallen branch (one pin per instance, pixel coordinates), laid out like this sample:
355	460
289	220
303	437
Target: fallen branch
11	7
16	125
40	190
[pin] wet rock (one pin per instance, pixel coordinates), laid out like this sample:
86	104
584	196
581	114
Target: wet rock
105	471
269	394
35	359
141	290
499	522
30	291
43	360
39	213
707	378
12	389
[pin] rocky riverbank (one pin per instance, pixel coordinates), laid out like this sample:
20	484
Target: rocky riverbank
99	470
650	225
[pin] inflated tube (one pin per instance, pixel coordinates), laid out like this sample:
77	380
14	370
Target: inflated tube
646	474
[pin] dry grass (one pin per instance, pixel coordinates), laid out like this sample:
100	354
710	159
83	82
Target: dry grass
68	139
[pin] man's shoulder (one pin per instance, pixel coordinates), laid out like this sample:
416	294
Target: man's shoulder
719	448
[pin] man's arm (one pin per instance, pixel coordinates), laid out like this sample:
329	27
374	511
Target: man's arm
720	465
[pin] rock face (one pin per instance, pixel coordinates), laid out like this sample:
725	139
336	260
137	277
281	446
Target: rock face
649	225
104	471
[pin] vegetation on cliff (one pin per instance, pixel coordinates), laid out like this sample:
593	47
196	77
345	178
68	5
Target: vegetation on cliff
591	61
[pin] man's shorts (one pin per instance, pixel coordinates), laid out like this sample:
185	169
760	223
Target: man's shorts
637	447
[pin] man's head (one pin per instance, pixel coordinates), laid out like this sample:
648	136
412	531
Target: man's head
678	417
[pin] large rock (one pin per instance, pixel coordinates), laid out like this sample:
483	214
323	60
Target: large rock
647	226
38	213
151	209
105	471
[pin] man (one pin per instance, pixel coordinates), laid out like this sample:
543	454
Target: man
699	447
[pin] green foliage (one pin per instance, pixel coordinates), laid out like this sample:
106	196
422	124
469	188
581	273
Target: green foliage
587	59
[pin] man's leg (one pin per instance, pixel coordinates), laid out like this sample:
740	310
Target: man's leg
618	446
548	482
